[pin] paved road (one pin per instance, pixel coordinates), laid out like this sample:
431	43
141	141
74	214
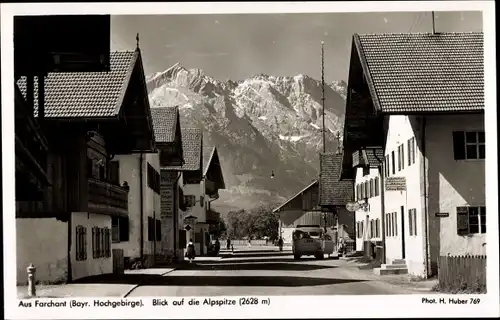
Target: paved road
266	273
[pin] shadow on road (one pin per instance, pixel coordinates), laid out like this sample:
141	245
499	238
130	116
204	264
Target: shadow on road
228	281
256	265
273	260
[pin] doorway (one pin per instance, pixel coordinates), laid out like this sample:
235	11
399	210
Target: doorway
403	246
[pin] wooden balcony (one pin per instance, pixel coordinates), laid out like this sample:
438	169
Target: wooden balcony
107	198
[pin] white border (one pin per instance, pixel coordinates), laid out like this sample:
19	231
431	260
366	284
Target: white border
282	307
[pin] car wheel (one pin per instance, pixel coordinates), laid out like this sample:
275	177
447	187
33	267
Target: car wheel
296	256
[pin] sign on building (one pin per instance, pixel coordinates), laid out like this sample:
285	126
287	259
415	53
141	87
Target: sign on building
395	184
166	200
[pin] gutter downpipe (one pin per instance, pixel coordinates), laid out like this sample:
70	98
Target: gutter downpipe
176	215
142	203
382	204
426	211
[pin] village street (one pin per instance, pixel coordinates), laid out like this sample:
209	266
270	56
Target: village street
266	273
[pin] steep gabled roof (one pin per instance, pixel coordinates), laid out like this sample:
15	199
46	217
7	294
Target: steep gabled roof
333	192
86	94
165	123
312	184
423	72
192	141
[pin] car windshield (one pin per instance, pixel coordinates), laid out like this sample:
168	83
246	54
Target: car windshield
299	234
314	234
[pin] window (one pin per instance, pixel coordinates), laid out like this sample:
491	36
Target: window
153	179
119	229
101	242
189	200
395	223
151	229
393	161
387	225
377	186
401	157
468	145
386	166
114	172
81	243
471	220
158	230
411	151
359	229
412	221
358	191
377	228
372	188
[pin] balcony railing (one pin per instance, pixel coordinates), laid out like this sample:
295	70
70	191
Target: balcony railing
107	198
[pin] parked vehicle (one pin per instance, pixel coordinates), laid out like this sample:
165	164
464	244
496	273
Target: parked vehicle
310	240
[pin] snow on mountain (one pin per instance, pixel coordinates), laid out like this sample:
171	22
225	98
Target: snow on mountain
260	124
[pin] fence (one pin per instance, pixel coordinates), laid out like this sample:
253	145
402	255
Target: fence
240	243
459	273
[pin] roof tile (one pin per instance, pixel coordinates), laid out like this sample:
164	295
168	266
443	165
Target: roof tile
165	123
333	192
85	94
192	141
423	72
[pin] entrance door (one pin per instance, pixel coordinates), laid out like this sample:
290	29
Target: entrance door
403	232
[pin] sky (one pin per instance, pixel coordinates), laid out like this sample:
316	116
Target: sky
238	46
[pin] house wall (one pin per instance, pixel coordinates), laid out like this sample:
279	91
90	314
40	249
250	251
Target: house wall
374	210
453	183
130	172
43	242
401	129
169	199
90	266
199	210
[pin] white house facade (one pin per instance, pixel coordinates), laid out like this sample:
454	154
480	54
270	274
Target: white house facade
428	191
83	197
139	235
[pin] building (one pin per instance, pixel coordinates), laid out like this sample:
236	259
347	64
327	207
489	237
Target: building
418	100
213	179
335	194
303	209
89	118
189	177
166	121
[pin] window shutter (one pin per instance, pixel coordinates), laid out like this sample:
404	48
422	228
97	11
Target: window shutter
182	239
124	229
459	145
158	230
114	172
462	220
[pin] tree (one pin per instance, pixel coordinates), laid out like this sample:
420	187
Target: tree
257	223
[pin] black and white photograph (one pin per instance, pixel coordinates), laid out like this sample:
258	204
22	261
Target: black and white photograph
175	162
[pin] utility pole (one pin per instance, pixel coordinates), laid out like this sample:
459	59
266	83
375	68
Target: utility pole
323	91
433	24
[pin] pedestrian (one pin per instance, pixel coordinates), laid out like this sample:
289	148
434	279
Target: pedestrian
190	252
341	246
228	244
280	243
217	246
